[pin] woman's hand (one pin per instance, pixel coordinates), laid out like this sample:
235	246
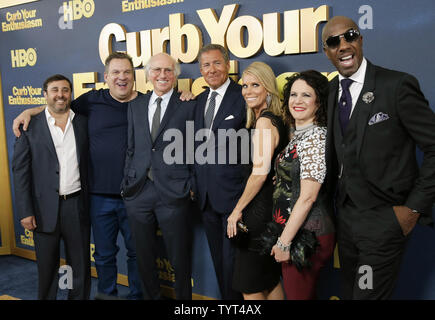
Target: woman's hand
234	217
280	256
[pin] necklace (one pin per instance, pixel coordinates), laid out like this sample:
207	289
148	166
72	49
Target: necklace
300	131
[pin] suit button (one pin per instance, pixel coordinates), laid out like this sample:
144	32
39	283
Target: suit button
153	149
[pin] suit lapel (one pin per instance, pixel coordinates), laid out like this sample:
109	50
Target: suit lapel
225	106
200	112
364	109
45	132
170	109
141	118
78	134
332	124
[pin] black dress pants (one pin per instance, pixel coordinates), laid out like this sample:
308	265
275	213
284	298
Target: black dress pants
370	247
222	250
73	227
146	213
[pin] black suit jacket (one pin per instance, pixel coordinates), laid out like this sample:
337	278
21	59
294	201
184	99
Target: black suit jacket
223	184
386	150
173	180
35	169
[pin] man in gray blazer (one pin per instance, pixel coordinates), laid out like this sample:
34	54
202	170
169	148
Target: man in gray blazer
155	190
49	168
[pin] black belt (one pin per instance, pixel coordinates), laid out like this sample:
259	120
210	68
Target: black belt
71	195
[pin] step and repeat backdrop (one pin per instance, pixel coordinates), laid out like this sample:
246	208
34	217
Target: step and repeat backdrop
74	37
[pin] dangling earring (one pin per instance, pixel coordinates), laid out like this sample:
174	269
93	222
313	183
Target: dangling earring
268	100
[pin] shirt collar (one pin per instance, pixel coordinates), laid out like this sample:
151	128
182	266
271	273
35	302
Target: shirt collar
52	120
359	75
221	90
165	97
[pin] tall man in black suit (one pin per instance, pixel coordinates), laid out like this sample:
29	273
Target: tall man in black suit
157	192
219	185
50	179
376	118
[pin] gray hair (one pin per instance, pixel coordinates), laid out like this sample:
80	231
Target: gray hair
213	46
177	69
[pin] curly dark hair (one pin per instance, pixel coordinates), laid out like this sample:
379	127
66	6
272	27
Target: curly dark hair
320	84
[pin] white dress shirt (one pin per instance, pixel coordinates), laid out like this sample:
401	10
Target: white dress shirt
357	84
152	106
65	145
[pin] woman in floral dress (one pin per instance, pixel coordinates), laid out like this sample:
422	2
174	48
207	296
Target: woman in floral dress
300	206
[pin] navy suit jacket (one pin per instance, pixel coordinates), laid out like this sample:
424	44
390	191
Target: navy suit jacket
386	150
35	169
221	183
173	180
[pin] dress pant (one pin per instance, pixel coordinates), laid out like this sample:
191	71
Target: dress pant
73	228
222	250
146	213
108	218
370	246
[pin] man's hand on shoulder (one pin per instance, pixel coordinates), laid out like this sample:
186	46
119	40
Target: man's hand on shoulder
186	95
406	217
24	119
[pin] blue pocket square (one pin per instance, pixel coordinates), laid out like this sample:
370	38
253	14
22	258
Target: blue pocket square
378	117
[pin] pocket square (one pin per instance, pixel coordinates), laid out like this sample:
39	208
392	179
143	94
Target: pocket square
378	117
229	117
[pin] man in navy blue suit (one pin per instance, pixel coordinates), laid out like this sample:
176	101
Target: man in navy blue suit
219	185
156	191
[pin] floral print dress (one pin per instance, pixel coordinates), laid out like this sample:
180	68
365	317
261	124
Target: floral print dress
303	158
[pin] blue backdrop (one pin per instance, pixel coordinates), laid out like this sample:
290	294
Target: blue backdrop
37	41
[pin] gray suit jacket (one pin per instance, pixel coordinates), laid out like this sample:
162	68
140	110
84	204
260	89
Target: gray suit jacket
173	180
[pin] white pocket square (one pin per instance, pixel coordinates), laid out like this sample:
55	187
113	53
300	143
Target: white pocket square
378	117
229	117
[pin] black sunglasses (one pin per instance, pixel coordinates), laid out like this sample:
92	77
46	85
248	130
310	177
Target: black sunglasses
334	41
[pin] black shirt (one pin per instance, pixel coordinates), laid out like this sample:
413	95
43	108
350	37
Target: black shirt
107	126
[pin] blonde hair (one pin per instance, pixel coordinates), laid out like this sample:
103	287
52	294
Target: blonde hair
267	79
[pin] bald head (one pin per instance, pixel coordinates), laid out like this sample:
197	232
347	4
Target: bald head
345	52
333	22
163	56
162	71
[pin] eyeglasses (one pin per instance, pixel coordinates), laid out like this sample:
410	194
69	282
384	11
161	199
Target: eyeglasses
334	41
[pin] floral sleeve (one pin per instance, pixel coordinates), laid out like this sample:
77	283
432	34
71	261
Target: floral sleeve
311	152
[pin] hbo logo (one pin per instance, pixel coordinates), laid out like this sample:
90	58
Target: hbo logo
76	9
22	57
